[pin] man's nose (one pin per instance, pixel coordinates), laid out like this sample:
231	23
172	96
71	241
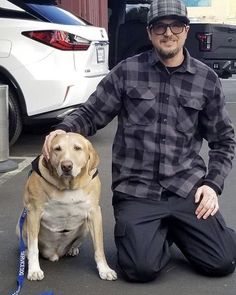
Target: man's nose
168	32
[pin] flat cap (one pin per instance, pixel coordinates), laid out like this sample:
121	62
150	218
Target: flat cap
167	8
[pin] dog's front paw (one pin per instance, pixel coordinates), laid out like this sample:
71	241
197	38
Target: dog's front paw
106	273
35	275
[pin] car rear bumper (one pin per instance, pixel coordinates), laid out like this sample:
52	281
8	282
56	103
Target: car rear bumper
50	117
223	67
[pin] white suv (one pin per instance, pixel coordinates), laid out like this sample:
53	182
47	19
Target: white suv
51	60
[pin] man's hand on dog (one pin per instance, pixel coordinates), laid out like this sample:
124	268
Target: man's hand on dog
208	202
48	141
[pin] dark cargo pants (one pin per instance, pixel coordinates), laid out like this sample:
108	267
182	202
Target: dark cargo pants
143	228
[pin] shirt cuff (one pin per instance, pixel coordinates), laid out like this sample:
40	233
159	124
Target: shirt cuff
61	127
213	186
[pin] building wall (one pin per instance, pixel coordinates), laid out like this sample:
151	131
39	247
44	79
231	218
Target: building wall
94	11
222	11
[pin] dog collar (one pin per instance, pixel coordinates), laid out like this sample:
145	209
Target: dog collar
35	166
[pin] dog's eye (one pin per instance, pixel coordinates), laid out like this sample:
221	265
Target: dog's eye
77	148
58	148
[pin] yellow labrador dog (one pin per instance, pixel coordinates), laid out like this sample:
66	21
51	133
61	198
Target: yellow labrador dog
62	199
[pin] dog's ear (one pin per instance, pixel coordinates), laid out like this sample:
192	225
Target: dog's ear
93	159
47	164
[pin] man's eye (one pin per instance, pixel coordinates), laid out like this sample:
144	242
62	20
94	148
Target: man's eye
160	27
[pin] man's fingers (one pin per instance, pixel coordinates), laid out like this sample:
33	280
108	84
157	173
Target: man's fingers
46	146
198	195
215	210
48	141
44	150
211	211
207	208
200	211
205	213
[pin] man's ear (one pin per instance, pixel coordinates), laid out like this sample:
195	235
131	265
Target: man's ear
149	33
93	159
187	29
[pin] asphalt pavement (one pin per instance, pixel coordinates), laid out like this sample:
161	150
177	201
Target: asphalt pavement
78	275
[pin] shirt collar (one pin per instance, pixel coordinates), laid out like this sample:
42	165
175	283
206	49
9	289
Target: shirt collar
187	66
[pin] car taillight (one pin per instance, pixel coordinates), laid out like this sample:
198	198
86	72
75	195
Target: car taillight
205	41
59	39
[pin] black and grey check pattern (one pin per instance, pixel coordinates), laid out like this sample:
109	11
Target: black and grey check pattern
162	120
162	8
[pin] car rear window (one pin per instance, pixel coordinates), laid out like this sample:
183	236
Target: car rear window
46	10
55	14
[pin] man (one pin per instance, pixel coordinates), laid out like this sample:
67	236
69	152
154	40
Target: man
167	103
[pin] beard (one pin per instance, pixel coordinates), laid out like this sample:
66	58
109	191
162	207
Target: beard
167	54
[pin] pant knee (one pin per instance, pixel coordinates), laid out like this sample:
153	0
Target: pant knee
139	272
219	268
224	268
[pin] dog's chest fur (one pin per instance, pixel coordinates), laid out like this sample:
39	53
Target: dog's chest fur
66	211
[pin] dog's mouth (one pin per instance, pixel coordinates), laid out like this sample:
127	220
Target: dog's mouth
67	174
64	231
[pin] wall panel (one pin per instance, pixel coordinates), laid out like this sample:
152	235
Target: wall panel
94	11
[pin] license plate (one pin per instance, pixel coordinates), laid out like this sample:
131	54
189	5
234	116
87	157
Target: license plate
100	54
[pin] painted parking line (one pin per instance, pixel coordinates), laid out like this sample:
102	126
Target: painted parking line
26	161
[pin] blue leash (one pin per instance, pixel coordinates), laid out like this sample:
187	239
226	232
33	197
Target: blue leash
22	248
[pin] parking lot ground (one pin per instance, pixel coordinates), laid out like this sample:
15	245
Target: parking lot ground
22	163
78	275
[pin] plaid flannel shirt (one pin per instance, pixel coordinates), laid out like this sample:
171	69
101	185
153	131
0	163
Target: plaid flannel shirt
162	120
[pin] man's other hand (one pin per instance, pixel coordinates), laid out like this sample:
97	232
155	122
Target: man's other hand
208	202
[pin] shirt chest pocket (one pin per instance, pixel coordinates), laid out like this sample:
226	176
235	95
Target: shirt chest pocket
188	113
140	106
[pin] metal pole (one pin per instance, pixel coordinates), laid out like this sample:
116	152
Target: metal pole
5	164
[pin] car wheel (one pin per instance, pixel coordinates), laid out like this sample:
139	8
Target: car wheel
15	121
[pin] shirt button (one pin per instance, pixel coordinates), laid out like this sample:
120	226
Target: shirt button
163	139
165	120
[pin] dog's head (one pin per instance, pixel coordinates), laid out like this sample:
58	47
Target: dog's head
70	154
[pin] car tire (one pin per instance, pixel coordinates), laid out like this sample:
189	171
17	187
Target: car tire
15	120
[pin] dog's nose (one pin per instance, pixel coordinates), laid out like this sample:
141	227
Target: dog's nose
66	166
